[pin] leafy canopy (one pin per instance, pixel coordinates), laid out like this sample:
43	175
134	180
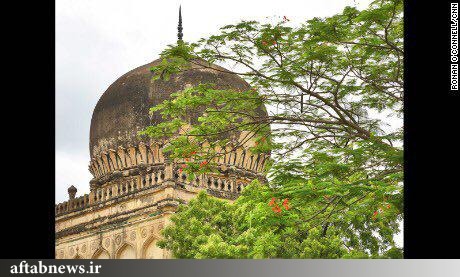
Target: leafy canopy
329	87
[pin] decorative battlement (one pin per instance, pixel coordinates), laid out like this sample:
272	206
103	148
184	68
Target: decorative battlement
228	183
75	204
143	154
127	170
124	158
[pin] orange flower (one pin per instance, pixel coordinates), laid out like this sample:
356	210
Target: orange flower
286	204
203	163
272	202
374	216
276	209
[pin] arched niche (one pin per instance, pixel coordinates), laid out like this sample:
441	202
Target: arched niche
126	252
101	254
150	249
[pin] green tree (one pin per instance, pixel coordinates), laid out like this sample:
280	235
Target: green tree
328	86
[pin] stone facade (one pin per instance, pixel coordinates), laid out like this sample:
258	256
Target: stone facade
136	188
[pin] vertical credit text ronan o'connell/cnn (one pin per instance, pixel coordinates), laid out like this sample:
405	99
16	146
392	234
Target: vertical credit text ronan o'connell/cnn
454	46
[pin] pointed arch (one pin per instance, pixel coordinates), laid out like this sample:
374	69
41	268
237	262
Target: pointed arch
154	152
132	155
126	251
101	165
251	161
256	164
122	156
105	162
149	154
242	159
100	254
150	250
113	159
138	155
143	152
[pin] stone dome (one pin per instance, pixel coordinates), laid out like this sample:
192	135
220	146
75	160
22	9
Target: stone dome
123	109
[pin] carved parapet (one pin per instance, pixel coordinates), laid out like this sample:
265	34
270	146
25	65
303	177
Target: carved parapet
135	159
105	162
228	183
125	171
71	205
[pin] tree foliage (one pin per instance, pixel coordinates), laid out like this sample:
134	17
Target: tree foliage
335	181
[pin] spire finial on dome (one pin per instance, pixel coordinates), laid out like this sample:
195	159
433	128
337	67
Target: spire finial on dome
179	27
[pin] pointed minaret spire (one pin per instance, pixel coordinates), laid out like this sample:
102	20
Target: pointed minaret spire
179	27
